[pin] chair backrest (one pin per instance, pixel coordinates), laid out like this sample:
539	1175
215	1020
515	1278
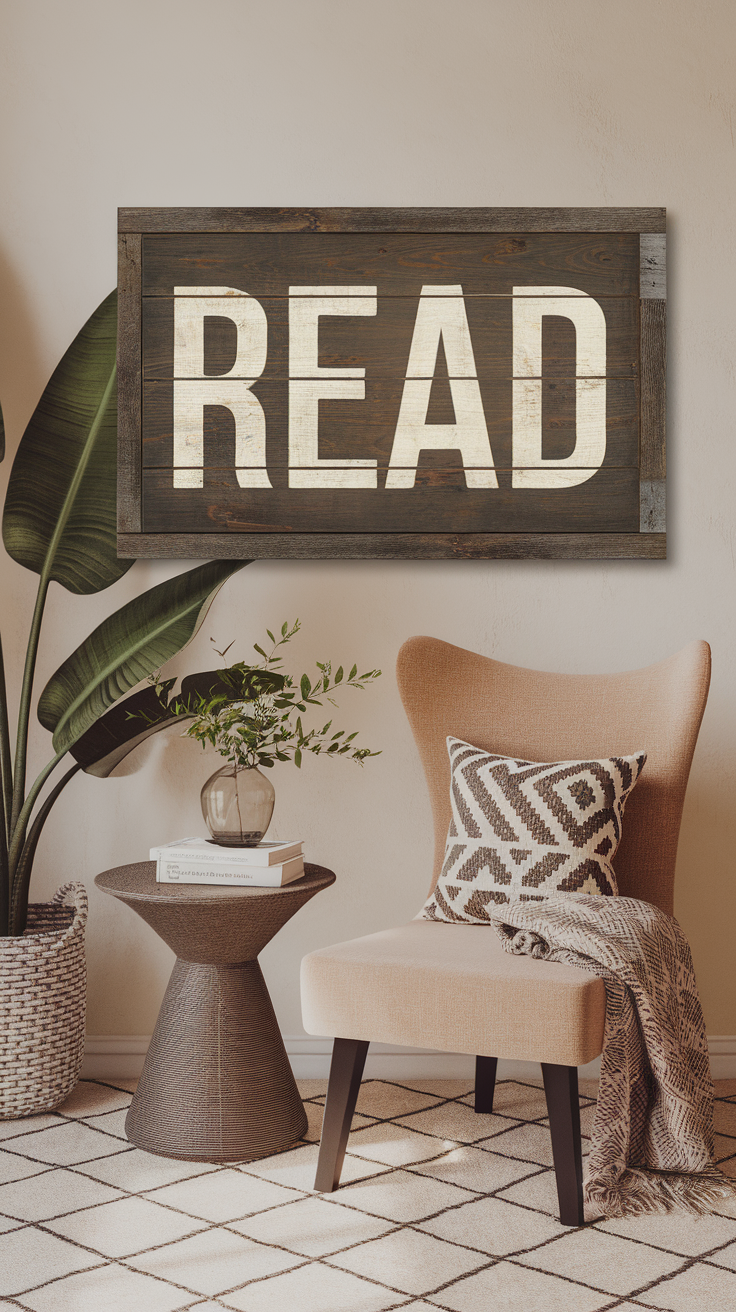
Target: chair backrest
563	717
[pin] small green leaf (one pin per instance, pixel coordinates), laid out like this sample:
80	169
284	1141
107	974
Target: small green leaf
285	629
260	650
306	687
268	631
297	758
338	676
353	672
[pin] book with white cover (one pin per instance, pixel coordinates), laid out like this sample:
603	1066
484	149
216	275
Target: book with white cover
263	854
232	874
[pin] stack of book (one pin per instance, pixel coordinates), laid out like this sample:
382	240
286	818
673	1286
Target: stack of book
199	861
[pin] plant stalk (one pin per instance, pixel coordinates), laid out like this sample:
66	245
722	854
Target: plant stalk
19	908
24	709
4	886
6	798
21	746
19	832
6	766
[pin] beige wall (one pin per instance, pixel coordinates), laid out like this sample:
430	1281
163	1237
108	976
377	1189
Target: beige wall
390	102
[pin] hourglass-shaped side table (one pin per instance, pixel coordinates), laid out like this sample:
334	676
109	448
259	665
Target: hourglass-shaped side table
216	1084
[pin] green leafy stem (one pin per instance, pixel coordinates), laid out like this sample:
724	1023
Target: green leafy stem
252	713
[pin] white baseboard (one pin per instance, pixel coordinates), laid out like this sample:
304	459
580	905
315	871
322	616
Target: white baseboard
110	1057
722	1049
114	1056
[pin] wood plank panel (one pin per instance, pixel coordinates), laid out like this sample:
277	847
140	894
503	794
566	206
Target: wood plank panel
617	256
392	546
378	219
365	429
129	383
652	506
653	408
607	502
380	344
653	261
604	264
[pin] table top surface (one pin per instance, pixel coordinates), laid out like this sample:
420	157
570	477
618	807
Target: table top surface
137	882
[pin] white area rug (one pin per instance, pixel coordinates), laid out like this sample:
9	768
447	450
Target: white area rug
439	1209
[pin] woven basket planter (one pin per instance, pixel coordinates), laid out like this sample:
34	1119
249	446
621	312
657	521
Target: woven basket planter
43	993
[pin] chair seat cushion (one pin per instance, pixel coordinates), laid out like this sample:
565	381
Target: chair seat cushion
452	987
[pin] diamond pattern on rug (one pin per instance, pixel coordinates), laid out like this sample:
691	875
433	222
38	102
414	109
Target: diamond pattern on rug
440	1210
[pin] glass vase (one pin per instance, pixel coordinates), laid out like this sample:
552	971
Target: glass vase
237	805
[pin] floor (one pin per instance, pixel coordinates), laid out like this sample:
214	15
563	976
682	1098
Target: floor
440	1209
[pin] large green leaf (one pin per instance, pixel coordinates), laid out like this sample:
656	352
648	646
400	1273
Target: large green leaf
60	506
128	646
131	721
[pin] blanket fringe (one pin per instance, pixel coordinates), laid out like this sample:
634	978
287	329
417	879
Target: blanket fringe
638	1192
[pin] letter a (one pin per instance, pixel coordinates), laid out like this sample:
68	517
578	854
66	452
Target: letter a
441	316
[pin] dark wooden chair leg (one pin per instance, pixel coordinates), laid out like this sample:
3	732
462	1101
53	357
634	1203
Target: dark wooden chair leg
346	1071
563	1106
485	1083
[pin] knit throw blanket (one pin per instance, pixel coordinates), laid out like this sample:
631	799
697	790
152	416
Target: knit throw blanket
652	1141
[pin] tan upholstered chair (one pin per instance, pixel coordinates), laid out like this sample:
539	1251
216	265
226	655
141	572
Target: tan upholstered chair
452	987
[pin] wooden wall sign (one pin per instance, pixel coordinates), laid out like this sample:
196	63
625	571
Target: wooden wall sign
363	383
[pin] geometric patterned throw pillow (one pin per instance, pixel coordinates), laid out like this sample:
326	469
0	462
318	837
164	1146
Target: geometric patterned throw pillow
524	831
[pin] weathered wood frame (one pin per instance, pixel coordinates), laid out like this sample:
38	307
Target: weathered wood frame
649	543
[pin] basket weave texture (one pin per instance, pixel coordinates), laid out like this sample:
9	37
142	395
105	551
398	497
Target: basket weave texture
43	995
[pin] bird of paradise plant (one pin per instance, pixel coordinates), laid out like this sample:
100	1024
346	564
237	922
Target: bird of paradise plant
60	521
